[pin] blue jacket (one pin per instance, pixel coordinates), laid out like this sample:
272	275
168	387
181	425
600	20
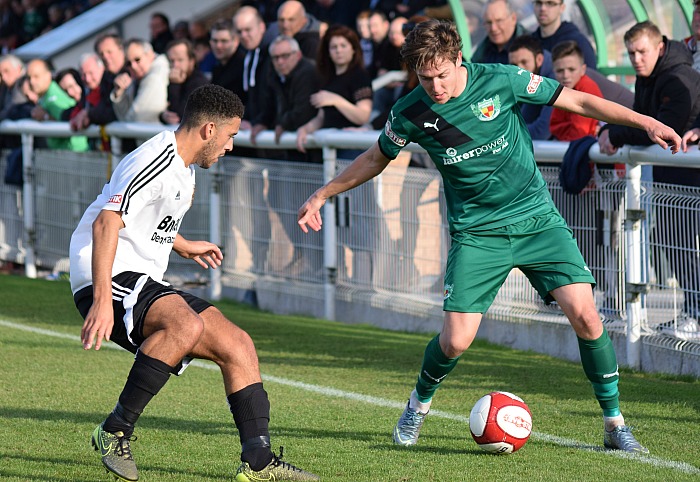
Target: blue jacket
568	31
537	116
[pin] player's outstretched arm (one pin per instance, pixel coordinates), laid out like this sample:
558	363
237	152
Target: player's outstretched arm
366	166
100	319
613	113
203	252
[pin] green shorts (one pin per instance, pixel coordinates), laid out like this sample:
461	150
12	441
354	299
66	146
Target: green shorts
542	247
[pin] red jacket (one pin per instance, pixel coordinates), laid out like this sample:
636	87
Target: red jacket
567	126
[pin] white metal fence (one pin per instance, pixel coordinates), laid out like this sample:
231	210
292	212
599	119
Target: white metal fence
388	236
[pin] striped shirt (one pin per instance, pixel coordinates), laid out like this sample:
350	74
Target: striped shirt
153	190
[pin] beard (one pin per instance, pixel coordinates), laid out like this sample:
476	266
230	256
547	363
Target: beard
207	156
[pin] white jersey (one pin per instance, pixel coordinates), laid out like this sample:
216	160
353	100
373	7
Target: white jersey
153	190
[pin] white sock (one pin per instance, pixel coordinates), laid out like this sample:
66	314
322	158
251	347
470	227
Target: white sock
612	422
418	406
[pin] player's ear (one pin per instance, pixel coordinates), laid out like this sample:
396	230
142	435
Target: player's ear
208	130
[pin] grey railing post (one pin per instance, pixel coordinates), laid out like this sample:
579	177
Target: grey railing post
634	284
28	205
215	228
330	237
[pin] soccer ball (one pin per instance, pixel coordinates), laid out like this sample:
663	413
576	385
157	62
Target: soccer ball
500	423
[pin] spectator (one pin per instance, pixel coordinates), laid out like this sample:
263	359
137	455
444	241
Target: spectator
256	64
92	70
13	105
161	35
345	101
266	8
336	12
692	41
552	30
229	54
346	96
385	56
141	94
570	71
526	52
11	71
502	27
33	20
294	81
184	78
362	28
69	80
198	30
294	21
52	101
204	56
181	30
668	89
10	27
55	17
111	51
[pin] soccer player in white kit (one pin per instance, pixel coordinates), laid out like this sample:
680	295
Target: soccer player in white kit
118	255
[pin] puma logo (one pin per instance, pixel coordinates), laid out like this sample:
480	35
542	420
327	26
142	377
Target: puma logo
433	125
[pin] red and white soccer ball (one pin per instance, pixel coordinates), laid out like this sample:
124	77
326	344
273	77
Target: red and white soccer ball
500	423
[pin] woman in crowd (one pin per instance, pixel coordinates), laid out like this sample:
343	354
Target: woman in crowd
346	97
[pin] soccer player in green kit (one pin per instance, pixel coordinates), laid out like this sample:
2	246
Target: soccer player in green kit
501	216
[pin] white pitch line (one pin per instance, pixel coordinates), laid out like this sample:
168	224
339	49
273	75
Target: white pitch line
383	402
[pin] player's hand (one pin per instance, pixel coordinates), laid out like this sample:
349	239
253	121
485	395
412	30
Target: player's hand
204	253
98	325
309	215
605	145
664	136
690	137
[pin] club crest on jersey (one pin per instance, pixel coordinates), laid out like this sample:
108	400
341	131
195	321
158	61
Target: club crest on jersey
488	109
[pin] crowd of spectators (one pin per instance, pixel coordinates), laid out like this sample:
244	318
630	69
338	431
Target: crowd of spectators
300	66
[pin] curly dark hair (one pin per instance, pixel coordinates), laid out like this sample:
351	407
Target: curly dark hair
211	103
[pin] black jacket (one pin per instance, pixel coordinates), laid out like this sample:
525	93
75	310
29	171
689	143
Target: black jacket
178	93
291	107
671	94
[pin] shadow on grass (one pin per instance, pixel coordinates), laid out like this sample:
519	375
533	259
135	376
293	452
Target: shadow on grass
96	467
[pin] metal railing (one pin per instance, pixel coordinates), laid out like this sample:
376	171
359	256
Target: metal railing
388	236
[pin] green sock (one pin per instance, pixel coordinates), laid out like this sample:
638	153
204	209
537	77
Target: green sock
600	365
435	368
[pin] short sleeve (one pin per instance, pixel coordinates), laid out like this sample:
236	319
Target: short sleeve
393	137
532	88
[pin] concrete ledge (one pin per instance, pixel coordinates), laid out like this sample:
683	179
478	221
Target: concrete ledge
547	333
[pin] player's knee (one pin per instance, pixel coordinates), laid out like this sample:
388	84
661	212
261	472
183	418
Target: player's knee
190	329
454	346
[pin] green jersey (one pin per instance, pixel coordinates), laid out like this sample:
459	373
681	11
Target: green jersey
480	144
55	101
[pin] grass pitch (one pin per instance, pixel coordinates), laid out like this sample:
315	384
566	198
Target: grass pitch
336	392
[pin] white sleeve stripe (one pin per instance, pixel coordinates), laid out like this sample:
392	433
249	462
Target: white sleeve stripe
143	176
